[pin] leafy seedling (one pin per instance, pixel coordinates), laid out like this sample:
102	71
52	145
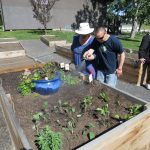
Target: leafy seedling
104	96
103	110
48	139
135	109
90	125
87	102
91	135
36	119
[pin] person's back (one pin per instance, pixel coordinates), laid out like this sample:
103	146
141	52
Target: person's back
144	57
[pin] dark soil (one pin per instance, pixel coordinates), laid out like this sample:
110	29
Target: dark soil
27	106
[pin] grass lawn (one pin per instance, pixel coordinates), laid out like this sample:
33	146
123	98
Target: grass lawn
129	43
35	34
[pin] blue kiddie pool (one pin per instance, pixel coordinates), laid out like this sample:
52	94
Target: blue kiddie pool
47	87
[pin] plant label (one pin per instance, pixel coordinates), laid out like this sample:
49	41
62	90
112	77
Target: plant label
62	65
67	67
46	78
90	78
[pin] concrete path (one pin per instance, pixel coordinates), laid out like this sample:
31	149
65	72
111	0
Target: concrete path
41	52
137	91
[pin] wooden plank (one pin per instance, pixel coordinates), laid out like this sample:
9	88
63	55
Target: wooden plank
17	134
133	137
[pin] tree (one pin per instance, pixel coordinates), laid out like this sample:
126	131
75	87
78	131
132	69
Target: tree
135	11
42	10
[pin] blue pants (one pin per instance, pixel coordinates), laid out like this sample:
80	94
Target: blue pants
110	79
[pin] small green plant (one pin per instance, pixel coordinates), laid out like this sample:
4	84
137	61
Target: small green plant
87	132
26	85
49	140
36	119
123	118
135	109
90	125
71	124
91	135
104	96
45	105
87	102
68	78
104	110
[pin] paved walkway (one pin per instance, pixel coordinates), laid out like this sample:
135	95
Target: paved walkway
41	52
137	91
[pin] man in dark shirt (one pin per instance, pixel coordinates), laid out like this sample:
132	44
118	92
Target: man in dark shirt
105	49
144	57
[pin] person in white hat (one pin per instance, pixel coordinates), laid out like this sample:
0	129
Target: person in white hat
81	42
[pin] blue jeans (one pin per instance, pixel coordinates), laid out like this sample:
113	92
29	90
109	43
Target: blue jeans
109	79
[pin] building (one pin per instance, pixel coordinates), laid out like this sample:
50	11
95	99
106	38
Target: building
17	14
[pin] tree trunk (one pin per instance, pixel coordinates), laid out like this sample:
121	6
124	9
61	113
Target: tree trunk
134	28
135	19
140	25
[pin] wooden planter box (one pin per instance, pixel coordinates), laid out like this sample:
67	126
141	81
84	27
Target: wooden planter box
51	40
133	134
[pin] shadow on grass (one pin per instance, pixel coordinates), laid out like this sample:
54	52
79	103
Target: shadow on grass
38	32
128	39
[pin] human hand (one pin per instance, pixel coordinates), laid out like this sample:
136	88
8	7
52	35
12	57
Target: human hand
142	60
119	72
90	57
85	54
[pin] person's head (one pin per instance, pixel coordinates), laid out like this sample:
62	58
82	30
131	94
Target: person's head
100	33
84	30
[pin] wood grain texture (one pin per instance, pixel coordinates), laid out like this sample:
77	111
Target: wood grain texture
135	137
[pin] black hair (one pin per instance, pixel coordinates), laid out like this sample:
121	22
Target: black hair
102	27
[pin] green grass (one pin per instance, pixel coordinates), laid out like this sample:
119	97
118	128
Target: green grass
129	43
146	27
35	34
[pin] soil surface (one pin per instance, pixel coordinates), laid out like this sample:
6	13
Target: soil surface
10	47
27	106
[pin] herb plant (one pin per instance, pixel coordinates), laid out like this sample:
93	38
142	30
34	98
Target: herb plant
87	102
26	85
104	96
49	140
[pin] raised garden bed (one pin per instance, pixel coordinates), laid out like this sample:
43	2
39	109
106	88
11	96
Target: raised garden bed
52	40
80	112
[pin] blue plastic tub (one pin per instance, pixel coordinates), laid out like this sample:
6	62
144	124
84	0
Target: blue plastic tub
46	87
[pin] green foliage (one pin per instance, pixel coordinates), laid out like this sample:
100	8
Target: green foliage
45	105
26	85
68	78
135	109
90	125
104	110
91	135
104	96
49	140
87	102
37	116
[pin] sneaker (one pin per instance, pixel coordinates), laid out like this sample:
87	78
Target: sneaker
148	86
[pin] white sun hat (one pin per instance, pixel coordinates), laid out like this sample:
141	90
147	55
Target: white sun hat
84	29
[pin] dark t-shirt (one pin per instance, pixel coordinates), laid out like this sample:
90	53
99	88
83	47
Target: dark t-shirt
106	54
144	50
